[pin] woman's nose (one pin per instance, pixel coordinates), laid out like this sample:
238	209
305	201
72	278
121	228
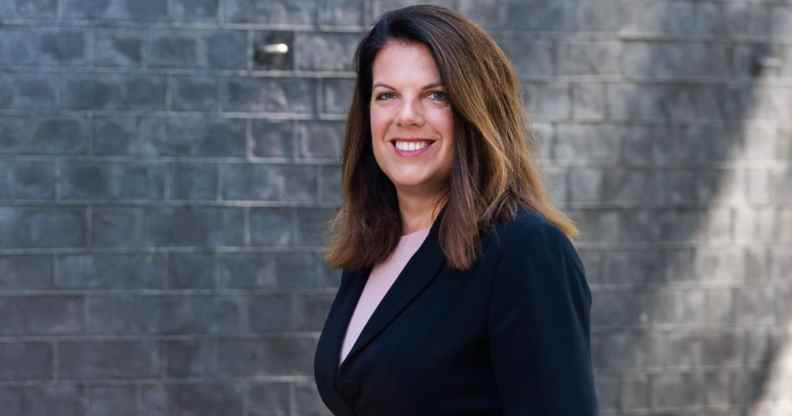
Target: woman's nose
410	113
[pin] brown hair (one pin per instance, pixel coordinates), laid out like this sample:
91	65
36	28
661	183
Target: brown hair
493	174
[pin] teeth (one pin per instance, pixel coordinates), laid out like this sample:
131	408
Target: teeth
410	146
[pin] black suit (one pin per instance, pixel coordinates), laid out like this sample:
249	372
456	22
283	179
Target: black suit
510	336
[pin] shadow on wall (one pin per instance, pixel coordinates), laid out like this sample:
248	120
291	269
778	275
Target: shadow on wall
681	190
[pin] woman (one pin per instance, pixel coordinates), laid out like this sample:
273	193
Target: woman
460	293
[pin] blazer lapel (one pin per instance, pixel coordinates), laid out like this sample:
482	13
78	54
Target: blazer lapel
419	271
329	348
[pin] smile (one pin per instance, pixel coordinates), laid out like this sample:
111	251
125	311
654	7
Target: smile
411	147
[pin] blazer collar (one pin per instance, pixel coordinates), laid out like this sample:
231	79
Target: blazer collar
419	271
417	274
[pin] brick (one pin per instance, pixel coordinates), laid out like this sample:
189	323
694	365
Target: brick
117	227
600	15
46	135
116	135
598	225
193	226
271	313
41	315
675	60
25	272
640	268
337	95
530	57
195	181
271	226
266	60
538	16
753	306
547	101
585	184
173	49
116	400
180	314
617	349
676	389
33	180
679	348
635	392
111	271
269	182
269	398
618	308
6	92
26	361
269	271
45	47
226	50
747	19
608	393
192	10
205	398
20	47
277	12
188	358
114	92
268	356
34	93
597	144
90	180
138	10
38	9
646	16
119	47
310	311
54	398
330	185
320	139
589	58
279	95
191	271
675	187
107	359
681	307
193	136
194	93
722	348
325	51
630	186
313	225
341	13
65	47
273	138
691	145
34	227
307	399
588	101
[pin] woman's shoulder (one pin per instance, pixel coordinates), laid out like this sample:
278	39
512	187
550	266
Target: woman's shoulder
528	226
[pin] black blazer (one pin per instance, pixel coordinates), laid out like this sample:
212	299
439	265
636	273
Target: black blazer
510	336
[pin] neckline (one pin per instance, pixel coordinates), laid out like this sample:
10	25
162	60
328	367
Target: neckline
416	232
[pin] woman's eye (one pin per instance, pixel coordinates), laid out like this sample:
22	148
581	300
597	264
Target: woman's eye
439	96
384	95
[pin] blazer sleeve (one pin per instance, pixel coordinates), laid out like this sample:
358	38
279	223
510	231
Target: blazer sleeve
539	333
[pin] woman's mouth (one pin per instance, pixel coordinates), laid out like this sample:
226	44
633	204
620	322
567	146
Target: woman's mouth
411	147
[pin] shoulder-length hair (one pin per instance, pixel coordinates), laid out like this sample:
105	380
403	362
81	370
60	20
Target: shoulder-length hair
493	174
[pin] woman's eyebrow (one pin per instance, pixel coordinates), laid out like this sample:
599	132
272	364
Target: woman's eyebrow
427	86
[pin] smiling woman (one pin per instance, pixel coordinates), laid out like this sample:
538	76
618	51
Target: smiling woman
461	292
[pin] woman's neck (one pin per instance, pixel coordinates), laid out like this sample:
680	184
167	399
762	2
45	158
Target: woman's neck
418	213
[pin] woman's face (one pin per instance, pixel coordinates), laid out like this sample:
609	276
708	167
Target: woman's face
412	124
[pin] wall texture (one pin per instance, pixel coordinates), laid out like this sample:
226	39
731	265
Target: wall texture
164	183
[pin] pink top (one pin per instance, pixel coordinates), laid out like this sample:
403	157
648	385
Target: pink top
379	281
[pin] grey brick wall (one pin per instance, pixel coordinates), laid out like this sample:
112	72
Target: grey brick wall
164	183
